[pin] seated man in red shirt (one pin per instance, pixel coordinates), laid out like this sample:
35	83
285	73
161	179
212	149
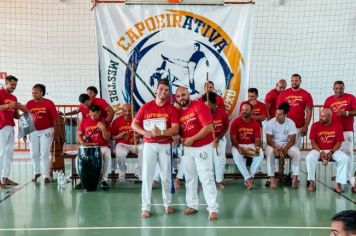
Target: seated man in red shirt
88	128
124	136
245	133
326	138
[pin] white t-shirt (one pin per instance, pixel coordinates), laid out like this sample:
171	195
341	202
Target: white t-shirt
281	132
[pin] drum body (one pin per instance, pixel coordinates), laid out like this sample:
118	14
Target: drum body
89	166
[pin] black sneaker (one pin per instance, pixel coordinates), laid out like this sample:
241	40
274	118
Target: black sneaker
104	186
78	186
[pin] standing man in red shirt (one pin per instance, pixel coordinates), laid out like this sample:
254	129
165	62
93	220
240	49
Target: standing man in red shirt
8	112
343	106
301	106
272	97
100	137
326	138
209	87
157	121
107	112
259	111
221	125
245	133
196	124
124	136
44	115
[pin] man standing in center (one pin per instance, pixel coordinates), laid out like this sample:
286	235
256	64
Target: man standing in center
196	125
157	121
301	106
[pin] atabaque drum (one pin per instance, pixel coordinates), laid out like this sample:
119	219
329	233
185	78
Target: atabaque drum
89	166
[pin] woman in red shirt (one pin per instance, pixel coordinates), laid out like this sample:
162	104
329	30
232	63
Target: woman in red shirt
44	114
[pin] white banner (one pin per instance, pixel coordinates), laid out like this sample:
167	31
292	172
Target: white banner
182	43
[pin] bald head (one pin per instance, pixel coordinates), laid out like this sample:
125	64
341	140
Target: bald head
182	97
325	116
281	85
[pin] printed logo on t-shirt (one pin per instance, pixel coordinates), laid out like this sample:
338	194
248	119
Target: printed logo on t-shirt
339	106
327	136
294	100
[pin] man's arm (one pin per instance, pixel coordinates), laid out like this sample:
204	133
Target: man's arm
204	131
259	117
291	142
168	132
135	125
104	130
109	114
234	142
74	112
309	113
270	142
268	105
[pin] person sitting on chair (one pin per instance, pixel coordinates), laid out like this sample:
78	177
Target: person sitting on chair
281	134
93	130
326	138
245	134
123	136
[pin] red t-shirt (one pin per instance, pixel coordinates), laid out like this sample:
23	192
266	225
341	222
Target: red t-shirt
43	113
346	102
96	101
119	125
151	112
87	126
326	136
192	120
298	101
245	132
271	98
221	121
219	102
259	109
7	116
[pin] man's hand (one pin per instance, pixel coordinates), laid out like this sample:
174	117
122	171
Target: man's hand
101	125
156	131
188	142
148	134
304	130
11	105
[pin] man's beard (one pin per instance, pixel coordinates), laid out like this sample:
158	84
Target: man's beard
184	103
295	86
246	115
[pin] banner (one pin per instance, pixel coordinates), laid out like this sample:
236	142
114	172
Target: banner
185	43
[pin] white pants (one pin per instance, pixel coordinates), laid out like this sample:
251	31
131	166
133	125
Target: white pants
40	147
121	152
298	139
198	164
348	148
241	163
154	153
341	159
293	153
220	161
106	162
180	173
7	139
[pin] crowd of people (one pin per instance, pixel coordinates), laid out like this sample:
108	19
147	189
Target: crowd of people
196	131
